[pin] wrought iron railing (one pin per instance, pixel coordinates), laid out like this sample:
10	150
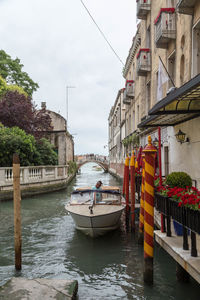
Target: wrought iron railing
165	26
143	6
143	61
187	217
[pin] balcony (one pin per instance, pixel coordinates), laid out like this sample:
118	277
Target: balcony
143	7
129	92
143	62
186	6
126	99
165	30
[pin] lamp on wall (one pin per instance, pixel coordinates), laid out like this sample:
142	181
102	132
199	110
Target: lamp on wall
181	137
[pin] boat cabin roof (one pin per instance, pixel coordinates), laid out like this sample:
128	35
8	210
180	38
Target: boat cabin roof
104	188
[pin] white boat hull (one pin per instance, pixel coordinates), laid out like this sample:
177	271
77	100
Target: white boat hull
105	218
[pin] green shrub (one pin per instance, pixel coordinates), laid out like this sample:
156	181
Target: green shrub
15	140
179	179
45	154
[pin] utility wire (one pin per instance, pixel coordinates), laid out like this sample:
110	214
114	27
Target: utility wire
102	33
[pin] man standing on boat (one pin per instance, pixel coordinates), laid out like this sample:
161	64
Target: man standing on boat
97	196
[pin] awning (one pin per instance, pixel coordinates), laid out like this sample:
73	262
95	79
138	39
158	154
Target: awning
180	105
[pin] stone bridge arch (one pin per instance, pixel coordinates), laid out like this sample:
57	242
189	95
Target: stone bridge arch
103	165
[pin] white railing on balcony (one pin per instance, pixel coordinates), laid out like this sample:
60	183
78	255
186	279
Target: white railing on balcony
165	27
143	61
126	99
130	88
30	175
143	7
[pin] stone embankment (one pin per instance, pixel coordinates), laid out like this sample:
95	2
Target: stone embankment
34	180
22	288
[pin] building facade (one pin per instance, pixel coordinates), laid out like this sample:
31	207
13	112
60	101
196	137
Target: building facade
117	133
60	138
162	83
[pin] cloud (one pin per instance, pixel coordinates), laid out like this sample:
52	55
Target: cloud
60	46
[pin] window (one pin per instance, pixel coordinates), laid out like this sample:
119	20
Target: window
133	120
182	69
166	160
129	124
138	114
148	39
196	50
156	87
148	98
171	69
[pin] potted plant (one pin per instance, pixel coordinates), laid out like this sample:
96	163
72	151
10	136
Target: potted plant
182	200
177	183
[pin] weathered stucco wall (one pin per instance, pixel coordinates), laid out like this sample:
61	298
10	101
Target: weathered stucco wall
61	139
181	57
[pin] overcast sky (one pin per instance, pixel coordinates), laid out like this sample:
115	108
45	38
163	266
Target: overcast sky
60	46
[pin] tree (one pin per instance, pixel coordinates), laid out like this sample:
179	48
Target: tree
4	87
11	71
18	110
46	154
15	140
31	152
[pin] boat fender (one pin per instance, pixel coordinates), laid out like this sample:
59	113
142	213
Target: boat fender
91	209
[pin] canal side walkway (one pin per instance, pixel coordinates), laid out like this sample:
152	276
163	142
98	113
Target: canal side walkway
174	247
34	289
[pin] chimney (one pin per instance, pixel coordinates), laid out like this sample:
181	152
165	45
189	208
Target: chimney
43	105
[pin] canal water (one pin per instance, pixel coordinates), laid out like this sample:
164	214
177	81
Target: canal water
110	267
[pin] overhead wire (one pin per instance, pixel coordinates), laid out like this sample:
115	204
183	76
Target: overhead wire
109	44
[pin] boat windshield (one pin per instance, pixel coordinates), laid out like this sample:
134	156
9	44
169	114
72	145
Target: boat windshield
95	197
81	198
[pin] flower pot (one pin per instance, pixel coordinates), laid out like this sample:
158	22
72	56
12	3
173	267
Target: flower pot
178	228
175	211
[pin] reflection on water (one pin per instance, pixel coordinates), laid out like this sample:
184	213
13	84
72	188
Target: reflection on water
109	267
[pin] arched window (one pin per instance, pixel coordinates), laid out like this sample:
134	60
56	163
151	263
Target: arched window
182	69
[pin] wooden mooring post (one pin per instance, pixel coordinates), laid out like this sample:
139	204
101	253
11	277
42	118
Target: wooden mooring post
17	211
149	152
132	177
126	178
141	215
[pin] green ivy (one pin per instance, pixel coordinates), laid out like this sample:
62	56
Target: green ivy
72	167
132	139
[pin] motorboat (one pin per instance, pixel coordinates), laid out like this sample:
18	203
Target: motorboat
96	212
